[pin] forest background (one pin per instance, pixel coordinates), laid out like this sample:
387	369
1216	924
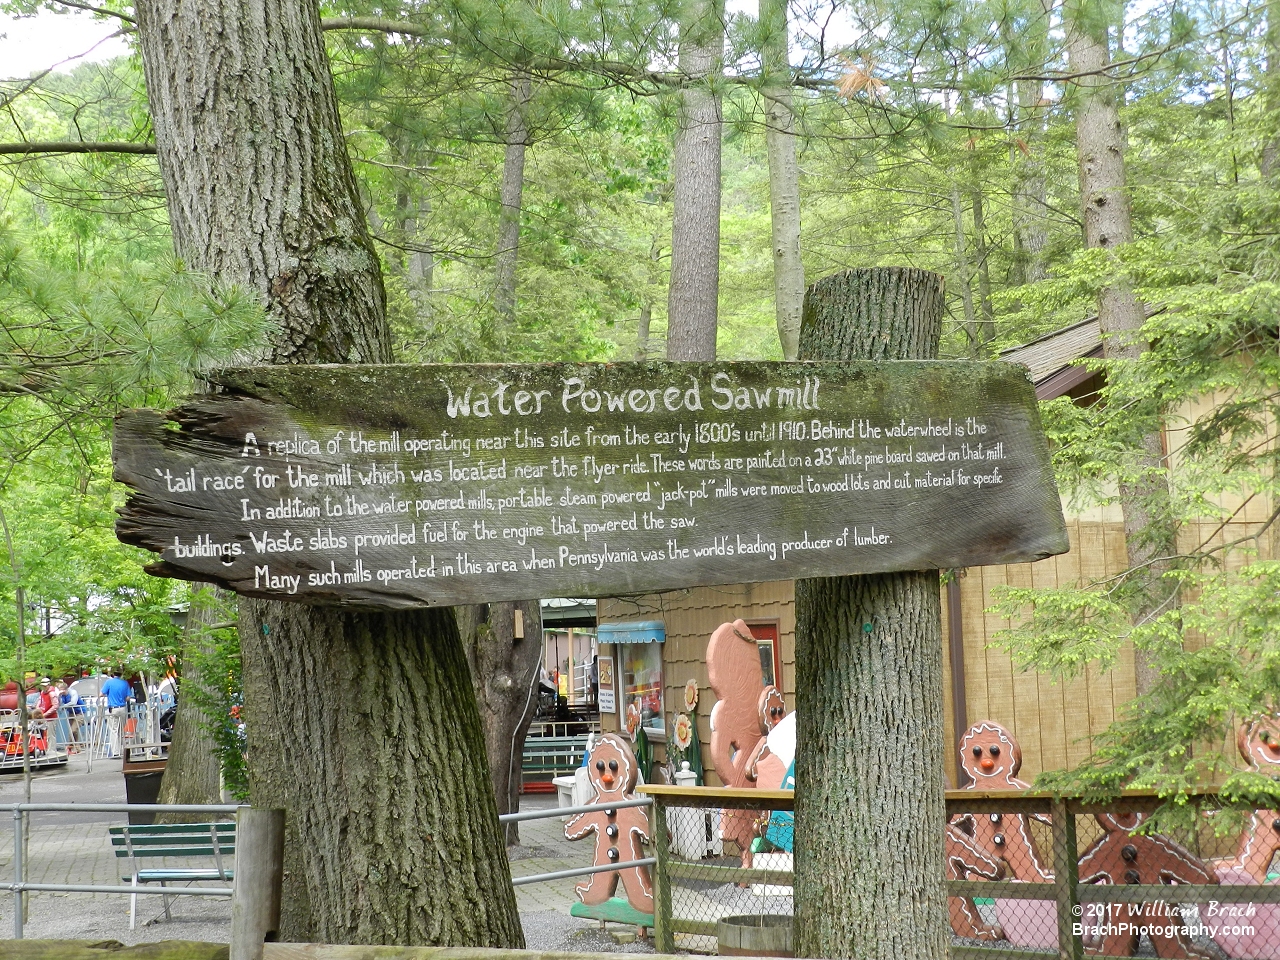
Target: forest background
520	167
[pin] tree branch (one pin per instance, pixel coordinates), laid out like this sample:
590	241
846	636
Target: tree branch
611	69
76	146
99	10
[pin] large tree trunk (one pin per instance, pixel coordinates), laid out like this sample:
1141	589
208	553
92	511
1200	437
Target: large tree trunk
964	272
193	773
362	726
642	330
512	197
870	814
784	177
1150	534
694	292
504	671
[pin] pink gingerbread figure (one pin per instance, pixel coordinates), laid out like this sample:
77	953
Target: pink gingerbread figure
619	833
992	758
1259	743
737	721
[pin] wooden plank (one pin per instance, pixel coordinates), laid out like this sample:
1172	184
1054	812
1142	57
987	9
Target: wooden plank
663	936
1025	685
1066	881
323	951
112	950
974	596
407	486
1052	730
730	797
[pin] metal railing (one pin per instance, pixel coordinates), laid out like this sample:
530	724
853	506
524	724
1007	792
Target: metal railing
568	812
19	885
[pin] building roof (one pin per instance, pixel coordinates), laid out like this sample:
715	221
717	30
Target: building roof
568	612
1051	359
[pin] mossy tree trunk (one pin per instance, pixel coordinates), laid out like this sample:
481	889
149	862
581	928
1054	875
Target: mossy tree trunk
363	727
504	671
193	773
870	812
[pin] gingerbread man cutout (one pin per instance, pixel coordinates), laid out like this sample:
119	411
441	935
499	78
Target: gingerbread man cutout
1259	743
737	726
1121	857
965	859
619	833
771	709
992	758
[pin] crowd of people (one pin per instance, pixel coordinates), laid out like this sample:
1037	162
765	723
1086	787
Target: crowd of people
65	712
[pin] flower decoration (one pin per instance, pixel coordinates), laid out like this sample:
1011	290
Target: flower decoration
691	695
633	719
683	731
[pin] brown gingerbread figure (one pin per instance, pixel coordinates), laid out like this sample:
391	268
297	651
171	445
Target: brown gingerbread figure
1259	743
737	725
619	833
1119	856
992	758
964	860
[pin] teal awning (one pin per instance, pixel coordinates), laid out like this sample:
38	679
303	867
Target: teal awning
639	631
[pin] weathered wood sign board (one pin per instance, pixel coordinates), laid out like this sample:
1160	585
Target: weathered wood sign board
399	486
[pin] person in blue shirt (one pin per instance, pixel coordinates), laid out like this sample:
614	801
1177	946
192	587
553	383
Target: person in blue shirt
116	691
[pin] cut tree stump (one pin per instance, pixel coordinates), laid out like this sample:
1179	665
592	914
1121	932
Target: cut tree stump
869	808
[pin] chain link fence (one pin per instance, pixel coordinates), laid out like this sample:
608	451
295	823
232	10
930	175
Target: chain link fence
1026	876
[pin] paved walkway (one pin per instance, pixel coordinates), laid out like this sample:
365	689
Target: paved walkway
74	848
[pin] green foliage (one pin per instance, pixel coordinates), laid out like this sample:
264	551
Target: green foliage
88	602
211	682
930	134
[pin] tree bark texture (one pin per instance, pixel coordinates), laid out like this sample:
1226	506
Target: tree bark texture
870	813
642	330
784	177
504	672
397	839
363	727
694	291
193	773
512	196
1150	533
259	186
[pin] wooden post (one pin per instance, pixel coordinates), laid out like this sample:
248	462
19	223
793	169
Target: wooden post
1066	881
663	936
255	905
869	804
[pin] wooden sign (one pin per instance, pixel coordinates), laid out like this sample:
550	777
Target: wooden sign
401	486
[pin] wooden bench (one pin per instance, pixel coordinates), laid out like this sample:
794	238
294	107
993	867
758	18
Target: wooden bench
544	758
139	842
